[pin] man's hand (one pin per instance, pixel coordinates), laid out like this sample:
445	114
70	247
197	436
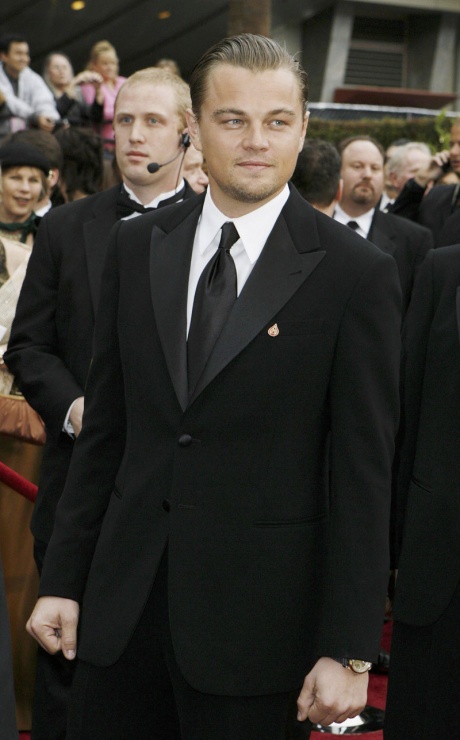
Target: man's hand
76	415
433	171
331	693
53	623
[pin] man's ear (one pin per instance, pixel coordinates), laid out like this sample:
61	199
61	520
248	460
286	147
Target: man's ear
304	129
338	195
193	129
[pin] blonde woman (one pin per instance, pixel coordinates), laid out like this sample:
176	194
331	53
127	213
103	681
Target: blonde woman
103	60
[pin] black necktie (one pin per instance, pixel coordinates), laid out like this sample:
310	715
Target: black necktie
214	297
127	206
353	225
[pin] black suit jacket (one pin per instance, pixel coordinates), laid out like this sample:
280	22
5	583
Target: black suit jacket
50	348
428	484
271	562
407	242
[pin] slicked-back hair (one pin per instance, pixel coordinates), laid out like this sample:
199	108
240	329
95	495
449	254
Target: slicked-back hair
342	145
158	76
250	51
317	172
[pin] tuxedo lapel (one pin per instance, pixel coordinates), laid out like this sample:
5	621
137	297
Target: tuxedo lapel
381	233
170	255
96	235
279	272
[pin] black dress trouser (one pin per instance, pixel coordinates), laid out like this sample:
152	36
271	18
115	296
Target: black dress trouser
145	695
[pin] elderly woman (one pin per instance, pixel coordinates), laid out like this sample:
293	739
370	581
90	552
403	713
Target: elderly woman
23	176
59	76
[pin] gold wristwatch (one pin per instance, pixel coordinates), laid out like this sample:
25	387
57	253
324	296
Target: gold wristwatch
355	665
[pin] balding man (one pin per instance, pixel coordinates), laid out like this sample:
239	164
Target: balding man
363	180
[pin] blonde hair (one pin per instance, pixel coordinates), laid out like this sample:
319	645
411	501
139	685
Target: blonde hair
99	48
158	76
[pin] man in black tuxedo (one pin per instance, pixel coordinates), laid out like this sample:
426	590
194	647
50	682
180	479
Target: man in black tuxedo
363	182
51	341
224	522
425	670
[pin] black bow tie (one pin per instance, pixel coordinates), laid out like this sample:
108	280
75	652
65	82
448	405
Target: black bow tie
126	206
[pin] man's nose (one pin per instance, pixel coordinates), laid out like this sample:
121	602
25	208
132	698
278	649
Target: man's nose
136	133
256	138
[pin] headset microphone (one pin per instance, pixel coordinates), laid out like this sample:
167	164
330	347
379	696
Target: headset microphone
184	145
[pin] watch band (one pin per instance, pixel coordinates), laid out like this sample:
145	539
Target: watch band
354	664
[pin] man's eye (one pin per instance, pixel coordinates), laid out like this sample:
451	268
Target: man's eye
153	120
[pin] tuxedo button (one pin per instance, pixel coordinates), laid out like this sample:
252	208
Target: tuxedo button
185	440
166	504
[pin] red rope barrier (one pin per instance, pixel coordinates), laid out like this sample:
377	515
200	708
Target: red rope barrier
18	483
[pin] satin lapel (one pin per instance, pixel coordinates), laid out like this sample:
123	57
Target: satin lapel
458	311
170	256
378	236
277	275
96	235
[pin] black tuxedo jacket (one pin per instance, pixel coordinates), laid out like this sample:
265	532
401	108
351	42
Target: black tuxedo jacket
50	348
271	561
428	490
407	242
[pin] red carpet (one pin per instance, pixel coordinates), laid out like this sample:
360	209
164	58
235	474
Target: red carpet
376	697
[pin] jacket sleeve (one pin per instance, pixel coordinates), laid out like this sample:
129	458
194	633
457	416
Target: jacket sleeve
97	453
364	407
415	343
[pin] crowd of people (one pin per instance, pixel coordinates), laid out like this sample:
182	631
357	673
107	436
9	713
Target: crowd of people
255	458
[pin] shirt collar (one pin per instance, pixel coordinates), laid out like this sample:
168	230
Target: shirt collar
364	221
253	228
154	203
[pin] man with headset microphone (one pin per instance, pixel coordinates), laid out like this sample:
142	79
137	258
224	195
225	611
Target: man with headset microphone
51	342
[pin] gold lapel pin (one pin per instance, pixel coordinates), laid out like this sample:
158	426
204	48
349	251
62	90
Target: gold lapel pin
273	331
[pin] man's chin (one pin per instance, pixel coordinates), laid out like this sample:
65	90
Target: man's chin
245	194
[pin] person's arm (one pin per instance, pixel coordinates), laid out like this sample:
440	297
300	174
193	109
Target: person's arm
94	466
364	407
34	352
415	342
41	99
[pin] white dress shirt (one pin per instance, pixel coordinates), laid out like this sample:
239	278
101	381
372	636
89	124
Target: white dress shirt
153	203
364	221
253	228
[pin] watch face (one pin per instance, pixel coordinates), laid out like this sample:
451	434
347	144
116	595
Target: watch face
360	666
